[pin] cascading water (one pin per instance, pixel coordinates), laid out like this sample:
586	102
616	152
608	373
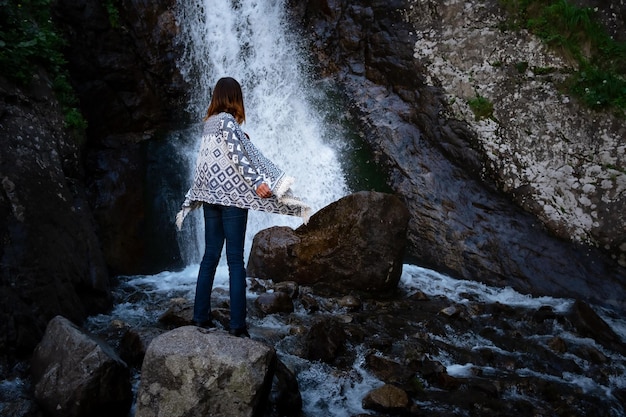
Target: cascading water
251	42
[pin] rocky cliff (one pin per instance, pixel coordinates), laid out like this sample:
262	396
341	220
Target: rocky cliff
72	212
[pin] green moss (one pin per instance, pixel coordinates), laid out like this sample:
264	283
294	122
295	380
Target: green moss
575	32
542	70
481	107
521	67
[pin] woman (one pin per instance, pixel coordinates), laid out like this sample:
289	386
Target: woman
231	177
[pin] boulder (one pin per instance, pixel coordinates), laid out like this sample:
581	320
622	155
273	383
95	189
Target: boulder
76	375
274	302
178	313
388	398
135	342
388	370
355	243
285	396
326	340
589	324
191	371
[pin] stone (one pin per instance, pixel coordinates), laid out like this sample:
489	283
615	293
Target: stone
275	302
194	372
388	398
52	263
589	324
309	303
450	311
387	370
135	342
350	302
178	313
355	243
285	395
76	375
290	287
326	340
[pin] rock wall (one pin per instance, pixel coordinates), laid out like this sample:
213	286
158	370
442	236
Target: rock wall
558	160
50	257
123	67
73	213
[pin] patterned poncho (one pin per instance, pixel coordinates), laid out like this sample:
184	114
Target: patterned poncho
230	168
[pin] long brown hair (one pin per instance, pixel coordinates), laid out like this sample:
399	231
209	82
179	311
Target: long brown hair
227	97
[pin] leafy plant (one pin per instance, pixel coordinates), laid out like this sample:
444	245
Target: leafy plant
521	67
28	39
481	107
28	42
113	12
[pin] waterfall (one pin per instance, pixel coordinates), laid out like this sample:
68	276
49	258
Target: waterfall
250	40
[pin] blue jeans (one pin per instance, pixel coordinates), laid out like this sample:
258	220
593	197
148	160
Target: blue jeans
222	223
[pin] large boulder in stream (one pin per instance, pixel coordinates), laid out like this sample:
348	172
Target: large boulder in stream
76	375
191	372
354	244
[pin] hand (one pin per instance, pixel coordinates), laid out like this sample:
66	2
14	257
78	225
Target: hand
264	191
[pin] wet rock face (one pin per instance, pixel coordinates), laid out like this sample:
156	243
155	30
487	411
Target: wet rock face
464	181
123	69
356	243
557	159
50	257
50	205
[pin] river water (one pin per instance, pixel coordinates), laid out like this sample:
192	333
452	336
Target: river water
327	391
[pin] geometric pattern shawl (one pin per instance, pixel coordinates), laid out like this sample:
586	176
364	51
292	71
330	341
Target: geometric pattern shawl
229	168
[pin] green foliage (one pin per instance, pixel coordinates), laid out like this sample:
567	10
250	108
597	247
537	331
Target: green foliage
542	70
28	39
599	88
481	107
599	81
113	12
28	42
521	67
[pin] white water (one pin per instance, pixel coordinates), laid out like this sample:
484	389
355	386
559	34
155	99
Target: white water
249	40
